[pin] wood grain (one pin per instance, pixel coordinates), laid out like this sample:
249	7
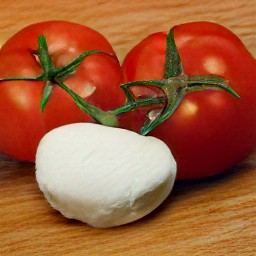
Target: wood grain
215	216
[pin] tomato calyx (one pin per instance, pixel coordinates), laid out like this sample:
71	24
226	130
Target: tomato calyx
54	76
175	85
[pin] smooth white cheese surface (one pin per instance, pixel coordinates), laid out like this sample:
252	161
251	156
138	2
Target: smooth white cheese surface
103	176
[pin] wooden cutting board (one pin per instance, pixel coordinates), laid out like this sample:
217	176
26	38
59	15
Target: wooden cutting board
215	216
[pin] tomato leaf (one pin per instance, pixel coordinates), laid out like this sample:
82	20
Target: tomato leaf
46	94
174	90
71	68
44	57
203	82
132	102
173	66
101	116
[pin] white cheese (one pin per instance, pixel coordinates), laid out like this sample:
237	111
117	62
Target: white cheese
103	176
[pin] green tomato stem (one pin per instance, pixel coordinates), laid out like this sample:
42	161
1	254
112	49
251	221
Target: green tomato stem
175	85
103	117
17	78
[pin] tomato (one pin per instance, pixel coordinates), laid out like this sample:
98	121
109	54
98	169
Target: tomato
211	130
97	80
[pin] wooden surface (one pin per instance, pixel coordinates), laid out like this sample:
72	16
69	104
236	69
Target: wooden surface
210	217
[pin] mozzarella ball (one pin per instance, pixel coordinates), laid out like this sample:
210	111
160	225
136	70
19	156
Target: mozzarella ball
103	176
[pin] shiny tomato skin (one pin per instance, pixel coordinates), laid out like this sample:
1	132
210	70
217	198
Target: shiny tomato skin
97	80
211	130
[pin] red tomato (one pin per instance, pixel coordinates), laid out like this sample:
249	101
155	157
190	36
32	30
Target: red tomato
211	130
97	80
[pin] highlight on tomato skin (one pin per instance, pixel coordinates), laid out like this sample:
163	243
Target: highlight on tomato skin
97	80
211	131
